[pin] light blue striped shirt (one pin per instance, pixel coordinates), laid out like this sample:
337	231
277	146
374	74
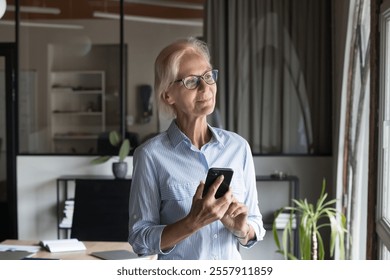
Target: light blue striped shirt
167	170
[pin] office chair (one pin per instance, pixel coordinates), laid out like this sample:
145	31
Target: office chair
101	210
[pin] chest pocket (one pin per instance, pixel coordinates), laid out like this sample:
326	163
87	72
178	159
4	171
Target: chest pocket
178	191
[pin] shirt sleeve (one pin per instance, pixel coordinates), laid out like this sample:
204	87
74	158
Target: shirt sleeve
144	203
255	218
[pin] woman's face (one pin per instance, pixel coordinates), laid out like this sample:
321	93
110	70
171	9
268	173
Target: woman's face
192	103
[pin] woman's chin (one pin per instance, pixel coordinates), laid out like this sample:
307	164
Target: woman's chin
208	110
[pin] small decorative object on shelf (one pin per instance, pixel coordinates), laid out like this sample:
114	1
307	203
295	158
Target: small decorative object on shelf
119	168
278	175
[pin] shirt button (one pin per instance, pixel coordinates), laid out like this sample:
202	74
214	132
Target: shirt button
215	236
215	257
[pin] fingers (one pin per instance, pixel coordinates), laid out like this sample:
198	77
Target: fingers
206	209
212	189
236	208
199	190
214	186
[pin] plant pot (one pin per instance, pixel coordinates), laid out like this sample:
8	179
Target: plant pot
119	169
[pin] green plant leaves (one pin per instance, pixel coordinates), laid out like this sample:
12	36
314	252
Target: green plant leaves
124	150
115	140
100	160
311	220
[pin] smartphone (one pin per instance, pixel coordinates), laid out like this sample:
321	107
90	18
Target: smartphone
213	174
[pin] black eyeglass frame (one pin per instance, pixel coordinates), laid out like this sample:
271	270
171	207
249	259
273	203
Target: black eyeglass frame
214	74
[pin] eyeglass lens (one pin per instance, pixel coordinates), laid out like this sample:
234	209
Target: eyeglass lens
192	82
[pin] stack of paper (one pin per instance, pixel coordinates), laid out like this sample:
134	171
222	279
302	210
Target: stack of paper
68	214
283	219
63	245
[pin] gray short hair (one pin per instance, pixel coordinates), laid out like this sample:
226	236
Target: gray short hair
166	66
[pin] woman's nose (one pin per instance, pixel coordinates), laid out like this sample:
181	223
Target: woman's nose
202	84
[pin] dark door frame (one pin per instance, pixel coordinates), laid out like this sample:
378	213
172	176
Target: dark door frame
9	52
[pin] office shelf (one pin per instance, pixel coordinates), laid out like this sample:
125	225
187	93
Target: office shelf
293	193
77	110
65	194
273	193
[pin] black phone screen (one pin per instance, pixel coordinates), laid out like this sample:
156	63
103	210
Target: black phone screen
213	174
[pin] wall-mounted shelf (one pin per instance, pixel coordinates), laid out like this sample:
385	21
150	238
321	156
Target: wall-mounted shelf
77	109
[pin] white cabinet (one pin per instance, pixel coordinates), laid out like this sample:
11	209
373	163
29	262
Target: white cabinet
77	110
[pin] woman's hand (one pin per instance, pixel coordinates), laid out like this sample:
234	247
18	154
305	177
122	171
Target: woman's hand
207	209
235	220
204	211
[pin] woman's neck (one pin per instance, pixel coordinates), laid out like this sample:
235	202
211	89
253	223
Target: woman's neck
196	130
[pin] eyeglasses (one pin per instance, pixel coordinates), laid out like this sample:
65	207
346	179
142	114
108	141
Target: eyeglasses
193	81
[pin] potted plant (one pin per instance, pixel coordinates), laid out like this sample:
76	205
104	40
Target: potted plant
311	219
119	168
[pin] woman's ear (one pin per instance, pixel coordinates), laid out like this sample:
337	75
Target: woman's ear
168	98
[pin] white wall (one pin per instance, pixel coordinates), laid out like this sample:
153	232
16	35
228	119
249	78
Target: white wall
36	179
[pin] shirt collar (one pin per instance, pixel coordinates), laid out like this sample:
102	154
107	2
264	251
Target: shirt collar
176	136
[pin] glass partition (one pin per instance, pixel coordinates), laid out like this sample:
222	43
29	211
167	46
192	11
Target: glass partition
72	73
69	76
70	69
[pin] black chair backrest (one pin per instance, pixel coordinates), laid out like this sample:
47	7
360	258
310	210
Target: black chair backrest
101	210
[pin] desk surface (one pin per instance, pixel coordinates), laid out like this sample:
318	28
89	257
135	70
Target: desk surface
92	246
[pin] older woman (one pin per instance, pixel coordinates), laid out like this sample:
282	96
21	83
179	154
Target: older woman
169	216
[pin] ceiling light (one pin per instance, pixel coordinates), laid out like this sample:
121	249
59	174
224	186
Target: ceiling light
149	19
42	24
3	4
35	10
172	4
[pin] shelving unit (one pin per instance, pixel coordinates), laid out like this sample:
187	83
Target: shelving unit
77	109
65	192
273	193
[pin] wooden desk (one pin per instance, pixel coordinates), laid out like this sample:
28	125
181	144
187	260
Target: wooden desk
92	246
